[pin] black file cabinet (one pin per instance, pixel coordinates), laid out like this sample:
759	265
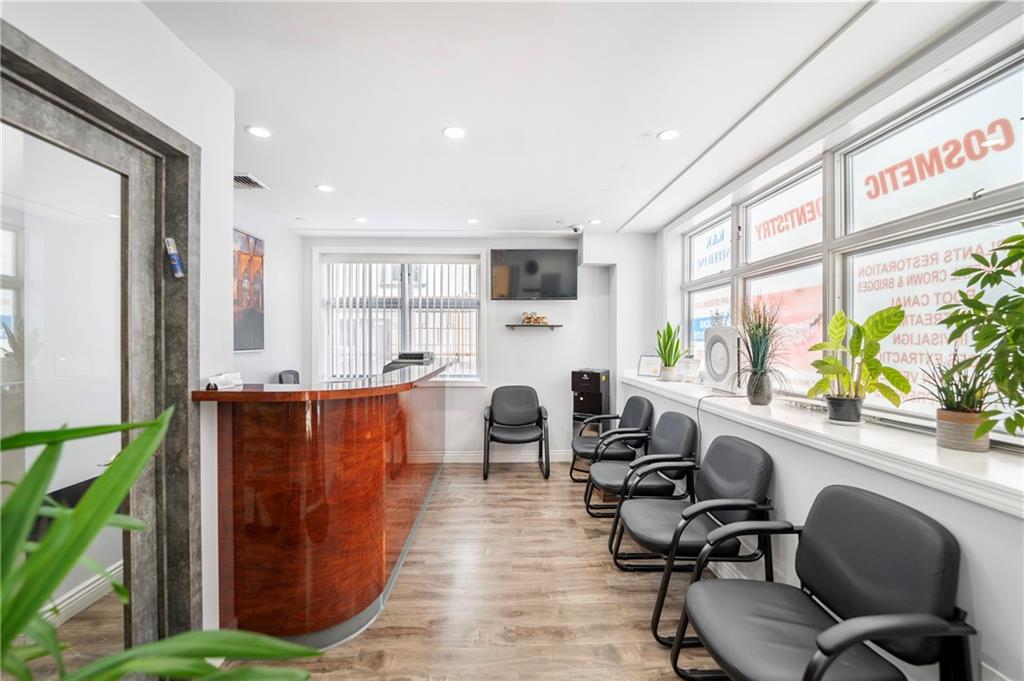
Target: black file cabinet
591	395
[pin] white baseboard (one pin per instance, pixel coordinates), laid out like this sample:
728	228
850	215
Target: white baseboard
990	674
82	596
517	455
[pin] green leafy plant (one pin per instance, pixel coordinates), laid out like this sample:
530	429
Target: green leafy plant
957	387
852	370
996	329
31	571
669	349
761	341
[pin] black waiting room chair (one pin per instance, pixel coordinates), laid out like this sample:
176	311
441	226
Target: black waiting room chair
673	439
288	376
636	417
730	484
515	417
886	573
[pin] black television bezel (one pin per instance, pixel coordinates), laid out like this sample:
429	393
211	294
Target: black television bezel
490	270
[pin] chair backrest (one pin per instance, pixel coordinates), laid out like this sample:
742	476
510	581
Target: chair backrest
733	468
638	412
515	405
288	376
863	554
674	433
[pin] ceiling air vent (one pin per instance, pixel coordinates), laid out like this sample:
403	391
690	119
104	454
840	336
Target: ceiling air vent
248	181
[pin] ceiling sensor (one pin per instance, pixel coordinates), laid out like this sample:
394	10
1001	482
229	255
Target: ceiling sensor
248	181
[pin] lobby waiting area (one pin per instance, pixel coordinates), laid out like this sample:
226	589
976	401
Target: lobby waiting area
528	341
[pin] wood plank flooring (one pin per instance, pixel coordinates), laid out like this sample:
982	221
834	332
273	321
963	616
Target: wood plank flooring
511	579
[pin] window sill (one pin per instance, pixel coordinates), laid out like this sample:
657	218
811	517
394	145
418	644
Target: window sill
455	383
994	479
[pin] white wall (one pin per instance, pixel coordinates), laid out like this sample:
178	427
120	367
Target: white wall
124	46
991	587
282	293
537	357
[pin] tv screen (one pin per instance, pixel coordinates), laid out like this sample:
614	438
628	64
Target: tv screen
520	274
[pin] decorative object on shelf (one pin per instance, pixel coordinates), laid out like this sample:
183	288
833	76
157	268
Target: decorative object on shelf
248	292
649	366
689	366
962	392
761	339
669	351
997	334
852	372
535	319
722	358
30	575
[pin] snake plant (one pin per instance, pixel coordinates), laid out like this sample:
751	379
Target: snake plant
669	349
30	571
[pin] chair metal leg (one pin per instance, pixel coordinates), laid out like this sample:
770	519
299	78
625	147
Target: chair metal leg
619	558
544	455
574	469
680	641
487	454
596	510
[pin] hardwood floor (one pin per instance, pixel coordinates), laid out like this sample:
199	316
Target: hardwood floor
510	579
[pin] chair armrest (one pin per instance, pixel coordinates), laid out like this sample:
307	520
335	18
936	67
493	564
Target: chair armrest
654	458
600	417
543	413
618	435
595	419
848	633
487	414
712	505
634	477
748	528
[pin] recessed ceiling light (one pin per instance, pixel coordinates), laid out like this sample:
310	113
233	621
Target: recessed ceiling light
668	135
360	220
258	131
595	221
113	216
454	133
298	219
325	188
472	221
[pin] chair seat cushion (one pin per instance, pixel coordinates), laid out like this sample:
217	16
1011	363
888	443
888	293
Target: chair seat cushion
608	476
766	631
652	522
516	435
584	446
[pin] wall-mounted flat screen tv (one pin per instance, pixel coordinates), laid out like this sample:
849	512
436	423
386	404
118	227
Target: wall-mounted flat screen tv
534	274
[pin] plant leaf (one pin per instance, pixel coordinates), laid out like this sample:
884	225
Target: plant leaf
898	380
837	327
820	387
856	340
18	513
882	323
46	437
888	393
44	635
28	586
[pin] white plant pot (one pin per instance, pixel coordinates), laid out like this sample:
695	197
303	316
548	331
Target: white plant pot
669	374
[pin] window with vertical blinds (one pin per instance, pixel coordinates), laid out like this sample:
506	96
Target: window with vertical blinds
374	309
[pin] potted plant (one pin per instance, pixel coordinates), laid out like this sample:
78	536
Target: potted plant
996	329
852	371
760	344
962	393
669	351
31	571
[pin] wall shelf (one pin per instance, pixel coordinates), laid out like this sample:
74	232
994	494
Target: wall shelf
534	326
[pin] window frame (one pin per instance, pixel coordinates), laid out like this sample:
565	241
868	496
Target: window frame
706	226
319	254
839	241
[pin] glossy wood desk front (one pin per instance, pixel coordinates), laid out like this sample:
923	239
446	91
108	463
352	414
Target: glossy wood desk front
319	489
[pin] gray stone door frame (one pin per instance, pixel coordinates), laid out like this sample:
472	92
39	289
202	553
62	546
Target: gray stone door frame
51	96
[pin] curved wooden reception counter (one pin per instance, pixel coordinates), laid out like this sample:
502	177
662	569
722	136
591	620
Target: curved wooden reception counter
319	490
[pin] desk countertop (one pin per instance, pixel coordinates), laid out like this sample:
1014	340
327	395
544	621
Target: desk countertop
383	384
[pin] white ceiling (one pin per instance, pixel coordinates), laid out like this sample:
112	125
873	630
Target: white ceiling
561	102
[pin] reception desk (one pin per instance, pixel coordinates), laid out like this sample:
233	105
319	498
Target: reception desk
319	489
